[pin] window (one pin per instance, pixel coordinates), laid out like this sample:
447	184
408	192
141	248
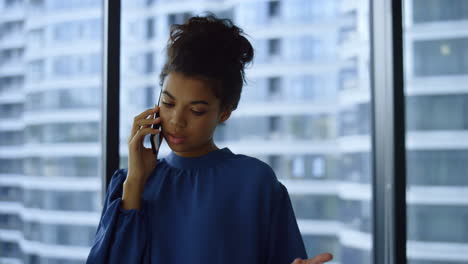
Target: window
80	30
150	28
59	167
439	10
439	108
11	138
441	57
355	120
36	70
36	38
355	167
318	207
429	223
274	88
442	167
274	8
274	124
274	47
142	63
436	125
10	83
178	18
149	97
58	5
318	167
36	6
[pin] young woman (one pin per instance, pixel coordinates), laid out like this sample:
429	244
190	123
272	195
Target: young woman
199	204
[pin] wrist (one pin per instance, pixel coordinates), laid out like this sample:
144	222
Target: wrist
134	181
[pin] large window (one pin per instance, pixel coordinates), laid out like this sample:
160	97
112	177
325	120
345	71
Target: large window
50	110
436	73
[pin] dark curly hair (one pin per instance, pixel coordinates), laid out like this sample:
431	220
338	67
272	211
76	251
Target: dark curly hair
212	50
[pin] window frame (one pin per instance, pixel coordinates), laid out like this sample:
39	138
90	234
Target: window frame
388	132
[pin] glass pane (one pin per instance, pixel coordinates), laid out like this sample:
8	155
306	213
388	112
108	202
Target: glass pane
436	73
305	109
50	96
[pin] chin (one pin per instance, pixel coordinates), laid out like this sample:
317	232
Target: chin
178	147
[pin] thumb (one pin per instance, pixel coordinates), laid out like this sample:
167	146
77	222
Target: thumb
324	257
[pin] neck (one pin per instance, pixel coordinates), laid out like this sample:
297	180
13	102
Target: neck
200	151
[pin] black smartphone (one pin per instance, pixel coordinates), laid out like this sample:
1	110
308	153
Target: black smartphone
156	140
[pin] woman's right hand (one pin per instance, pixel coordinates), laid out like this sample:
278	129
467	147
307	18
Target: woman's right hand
141	160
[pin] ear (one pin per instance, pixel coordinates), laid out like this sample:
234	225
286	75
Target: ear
224	116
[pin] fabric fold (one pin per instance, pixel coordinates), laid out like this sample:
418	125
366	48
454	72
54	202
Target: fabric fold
285	242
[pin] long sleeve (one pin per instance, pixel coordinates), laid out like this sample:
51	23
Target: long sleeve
285	241
122	235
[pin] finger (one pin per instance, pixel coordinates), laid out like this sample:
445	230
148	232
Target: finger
140	135
136	126
147	112
324	257
146	123
150	116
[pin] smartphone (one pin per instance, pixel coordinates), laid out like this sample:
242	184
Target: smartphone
156	140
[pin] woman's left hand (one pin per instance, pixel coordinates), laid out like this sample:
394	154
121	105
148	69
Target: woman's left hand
319	259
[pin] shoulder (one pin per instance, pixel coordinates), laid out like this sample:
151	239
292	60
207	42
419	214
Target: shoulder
256	170
260	180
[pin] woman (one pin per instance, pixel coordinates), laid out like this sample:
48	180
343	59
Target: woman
200	204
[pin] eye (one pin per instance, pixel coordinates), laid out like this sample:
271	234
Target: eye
198	113
194	112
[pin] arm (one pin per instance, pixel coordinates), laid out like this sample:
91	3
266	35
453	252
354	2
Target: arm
121	236
285	242
132	192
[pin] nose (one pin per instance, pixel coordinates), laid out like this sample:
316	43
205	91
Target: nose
177	119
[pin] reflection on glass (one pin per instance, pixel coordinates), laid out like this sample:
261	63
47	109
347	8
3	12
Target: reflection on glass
436	73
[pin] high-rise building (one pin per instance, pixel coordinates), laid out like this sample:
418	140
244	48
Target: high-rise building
50	87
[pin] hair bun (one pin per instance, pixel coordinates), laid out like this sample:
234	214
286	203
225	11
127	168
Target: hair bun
213	38
211	48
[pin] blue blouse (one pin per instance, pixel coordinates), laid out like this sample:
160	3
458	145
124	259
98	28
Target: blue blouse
217	208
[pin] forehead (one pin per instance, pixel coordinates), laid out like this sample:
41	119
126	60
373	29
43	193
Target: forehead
186	88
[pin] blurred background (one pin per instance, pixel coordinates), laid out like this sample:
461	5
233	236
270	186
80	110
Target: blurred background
305	111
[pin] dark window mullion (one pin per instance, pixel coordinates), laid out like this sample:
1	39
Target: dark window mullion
111	93
388	135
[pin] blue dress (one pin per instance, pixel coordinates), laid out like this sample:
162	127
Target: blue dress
217	208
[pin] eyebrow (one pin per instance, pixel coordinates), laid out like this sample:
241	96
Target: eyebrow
193	102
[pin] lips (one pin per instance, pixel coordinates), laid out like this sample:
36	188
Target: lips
175	136
175	139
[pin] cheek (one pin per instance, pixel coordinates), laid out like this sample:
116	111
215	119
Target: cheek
163	116
206	126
